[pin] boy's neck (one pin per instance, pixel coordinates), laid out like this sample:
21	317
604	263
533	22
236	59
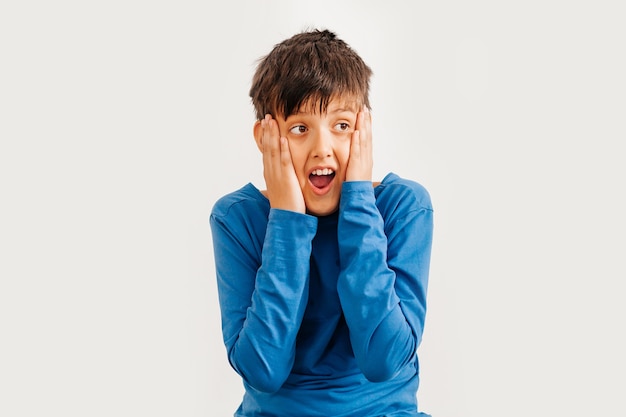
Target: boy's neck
374	184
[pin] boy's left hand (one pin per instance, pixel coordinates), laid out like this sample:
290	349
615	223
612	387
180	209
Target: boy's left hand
361	159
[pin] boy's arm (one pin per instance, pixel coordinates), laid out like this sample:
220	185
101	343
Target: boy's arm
262	305
382	286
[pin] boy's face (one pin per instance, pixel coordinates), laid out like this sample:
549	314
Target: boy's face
319	144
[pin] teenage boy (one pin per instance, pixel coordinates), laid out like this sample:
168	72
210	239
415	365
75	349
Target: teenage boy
322	277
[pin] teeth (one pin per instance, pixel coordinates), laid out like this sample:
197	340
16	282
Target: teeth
325	171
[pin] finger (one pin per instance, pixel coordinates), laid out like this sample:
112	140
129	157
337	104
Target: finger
355	145
361	118
365	129
271	145
265	142
365	125
285	153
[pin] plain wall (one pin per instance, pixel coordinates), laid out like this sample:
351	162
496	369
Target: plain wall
122	122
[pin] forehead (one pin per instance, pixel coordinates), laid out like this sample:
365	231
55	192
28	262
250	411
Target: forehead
335	104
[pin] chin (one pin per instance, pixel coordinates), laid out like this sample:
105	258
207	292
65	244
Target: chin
320	210
321	205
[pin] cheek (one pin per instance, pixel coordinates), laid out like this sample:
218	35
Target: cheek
298	158
343	153
297	151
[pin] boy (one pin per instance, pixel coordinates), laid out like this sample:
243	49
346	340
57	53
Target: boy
322	277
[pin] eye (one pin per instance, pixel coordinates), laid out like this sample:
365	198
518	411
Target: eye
298	130
342	126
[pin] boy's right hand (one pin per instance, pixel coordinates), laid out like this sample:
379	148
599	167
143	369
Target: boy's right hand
283	188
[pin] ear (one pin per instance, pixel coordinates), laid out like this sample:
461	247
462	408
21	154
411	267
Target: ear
257	131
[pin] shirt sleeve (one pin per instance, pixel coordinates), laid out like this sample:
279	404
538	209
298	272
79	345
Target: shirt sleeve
262	304
383	282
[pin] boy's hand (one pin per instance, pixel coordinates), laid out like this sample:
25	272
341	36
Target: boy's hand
283	189
361	159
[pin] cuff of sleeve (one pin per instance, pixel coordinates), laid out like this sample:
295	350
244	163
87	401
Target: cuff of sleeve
357	190
288	241
291	220
357	186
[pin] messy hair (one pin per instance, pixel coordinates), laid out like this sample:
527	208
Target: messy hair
309	69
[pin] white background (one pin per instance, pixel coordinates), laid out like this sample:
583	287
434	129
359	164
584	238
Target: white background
121	123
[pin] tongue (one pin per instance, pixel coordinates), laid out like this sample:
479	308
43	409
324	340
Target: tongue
321	181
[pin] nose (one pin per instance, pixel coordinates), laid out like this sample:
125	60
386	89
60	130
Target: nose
322	144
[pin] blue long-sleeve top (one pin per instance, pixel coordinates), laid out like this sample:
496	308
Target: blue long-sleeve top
322	316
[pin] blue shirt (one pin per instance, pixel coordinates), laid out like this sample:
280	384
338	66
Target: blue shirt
322	316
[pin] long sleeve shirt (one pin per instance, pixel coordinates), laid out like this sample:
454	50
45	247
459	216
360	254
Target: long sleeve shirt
322	316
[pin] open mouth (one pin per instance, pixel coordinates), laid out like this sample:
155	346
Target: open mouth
321	178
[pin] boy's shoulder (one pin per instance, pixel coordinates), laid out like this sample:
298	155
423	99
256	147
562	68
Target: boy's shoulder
395	190
245	199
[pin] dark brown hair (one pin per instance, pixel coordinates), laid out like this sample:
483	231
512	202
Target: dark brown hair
309	69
